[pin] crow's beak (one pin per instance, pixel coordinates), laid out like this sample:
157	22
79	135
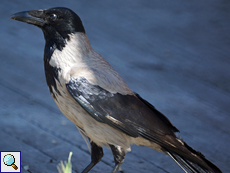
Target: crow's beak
34	17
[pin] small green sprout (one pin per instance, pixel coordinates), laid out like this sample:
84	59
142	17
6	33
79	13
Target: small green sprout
65	167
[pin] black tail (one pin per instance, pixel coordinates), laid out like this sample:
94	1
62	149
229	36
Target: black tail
193	161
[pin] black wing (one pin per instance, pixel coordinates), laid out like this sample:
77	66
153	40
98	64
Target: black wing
136	117
129	113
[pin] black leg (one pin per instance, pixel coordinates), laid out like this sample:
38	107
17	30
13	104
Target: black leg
119	157
96	155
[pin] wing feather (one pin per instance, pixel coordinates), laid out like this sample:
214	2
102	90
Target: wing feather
129	113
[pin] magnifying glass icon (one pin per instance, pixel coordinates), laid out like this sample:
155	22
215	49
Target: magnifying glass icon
9	160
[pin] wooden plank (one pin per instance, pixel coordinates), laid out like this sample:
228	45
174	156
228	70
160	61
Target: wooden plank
30	156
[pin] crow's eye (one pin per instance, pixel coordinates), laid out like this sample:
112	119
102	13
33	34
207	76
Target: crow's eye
53	17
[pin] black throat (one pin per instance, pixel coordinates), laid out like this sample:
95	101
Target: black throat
53	41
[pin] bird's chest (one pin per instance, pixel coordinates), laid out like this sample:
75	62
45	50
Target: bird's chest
55	77
68	106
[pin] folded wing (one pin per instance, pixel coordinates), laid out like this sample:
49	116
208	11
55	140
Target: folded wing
129	113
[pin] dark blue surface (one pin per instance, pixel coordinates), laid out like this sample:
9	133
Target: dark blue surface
175	54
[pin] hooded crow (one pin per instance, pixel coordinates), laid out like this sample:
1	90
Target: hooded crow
92	95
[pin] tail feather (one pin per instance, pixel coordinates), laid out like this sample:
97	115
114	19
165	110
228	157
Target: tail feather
193	161
186	165
178	161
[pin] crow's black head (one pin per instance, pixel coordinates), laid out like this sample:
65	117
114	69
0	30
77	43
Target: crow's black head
55	22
